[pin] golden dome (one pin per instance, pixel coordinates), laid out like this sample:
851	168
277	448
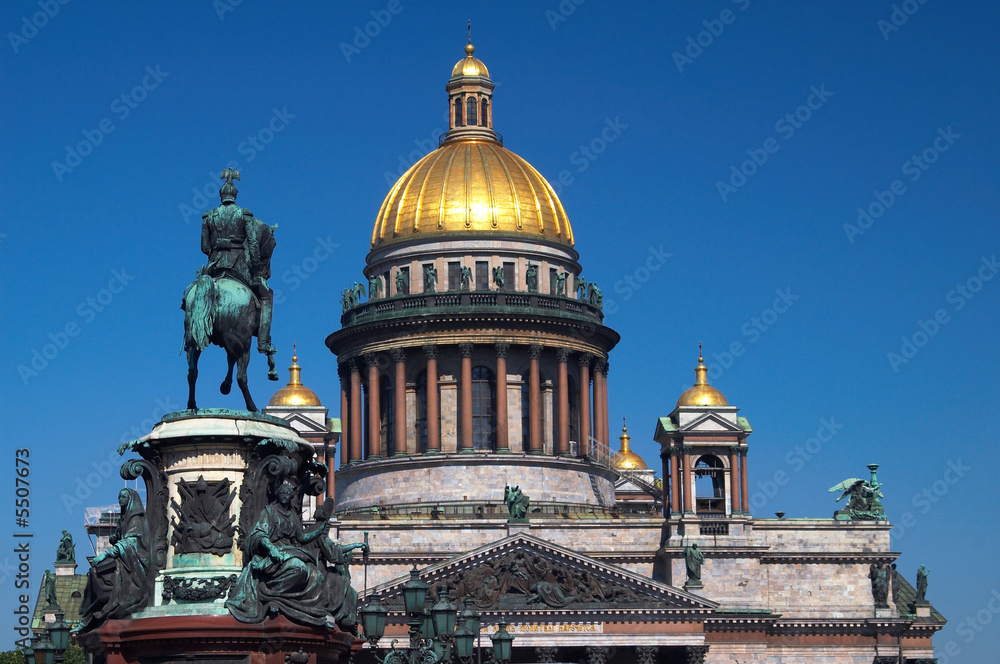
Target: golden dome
470	66
702	394
626	459
295	393
471	185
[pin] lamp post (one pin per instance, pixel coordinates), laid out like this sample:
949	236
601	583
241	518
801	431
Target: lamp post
434	637
60	636
42	650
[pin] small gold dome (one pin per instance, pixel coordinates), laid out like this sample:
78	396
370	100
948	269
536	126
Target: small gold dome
625	458
470	66
295	393
702	394
471	186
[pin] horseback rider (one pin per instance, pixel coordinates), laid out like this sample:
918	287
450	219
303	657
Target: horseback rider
239	246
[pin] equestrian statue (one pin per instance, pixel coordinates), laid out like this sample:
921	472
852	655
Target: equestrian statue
230	302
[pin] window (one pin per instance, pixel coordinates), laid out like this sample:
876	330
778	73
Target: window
484	399
484	120
454	276
387	404
553	281
710	485
470	112
482	275
458	112
508	277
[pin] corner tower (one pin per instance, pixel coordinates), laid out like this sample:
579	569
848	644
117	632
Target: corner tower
474	354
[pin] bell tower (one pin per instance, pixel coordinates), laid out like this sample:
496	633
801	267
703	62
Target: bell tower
703	445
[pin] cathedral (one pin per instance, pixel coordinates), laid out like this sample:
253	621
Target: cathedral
476	464
475	368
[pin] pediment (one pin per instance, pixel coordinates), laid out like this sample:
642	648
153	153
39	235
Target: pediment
712	422
524	574
305	426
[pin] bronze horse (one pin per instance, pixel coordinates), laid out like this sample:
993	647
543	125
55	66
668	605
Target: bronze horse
225	313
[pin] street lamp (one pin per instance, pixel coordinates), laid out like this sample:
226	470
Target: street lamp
44	651
60	635
433	635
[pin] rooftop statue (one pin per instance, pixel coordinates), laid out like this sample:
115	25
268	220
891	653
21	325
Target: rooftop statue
864	498
517	503
66	553
693	560
230	302
49	588
922	584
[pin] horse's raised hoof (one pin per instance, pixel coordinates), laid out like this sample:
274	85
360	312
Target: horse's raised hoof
225	388
272	374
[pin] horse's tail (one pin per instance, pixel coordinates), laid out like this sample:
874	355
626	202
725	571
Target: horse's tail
199	312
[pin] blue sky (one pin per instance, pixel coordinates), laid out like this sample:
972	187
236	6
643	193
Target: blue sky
746	139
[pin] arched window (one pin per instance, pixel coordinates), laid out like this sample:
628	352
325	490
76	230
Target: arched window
421	422
484	408
484	120
387	406
710	485
458	112
470	111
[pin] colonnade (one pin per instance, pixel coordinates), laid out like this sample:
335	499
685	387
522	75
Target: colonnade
678	466
593	400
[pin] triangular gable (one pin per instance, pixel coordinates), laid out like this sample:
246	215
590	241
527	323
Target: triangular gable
305	426
712	422
523	574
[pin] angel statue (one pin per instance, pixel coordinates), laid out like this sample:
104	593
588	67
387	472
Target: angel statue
864	498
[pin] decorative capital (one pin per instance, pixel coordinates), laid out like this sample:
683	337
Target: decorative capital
431	351
501	349
600	366
465	349
584	359
534	351
398	354
371	360
354	365
562	354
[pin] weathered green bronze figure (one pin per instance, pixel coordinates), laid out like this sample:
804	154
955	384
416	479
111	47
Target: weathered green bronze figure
693	560
922	584
118	580
66	553
864	498
230	302
517	503
531	278
49	588
287	574
466	277
879	575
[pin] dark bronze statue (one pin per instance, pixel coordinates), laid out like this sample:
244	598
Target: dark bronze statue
230	302
204	523
561	283
66	553
402	282
531	278
879	576
49	588
375	288
517	503
466	278
430	279
922	584
693	560
287	574
580	286
118	580
498	277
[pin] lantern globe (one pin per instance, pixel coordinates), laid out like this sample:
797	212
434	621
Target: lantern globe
502	641
414	593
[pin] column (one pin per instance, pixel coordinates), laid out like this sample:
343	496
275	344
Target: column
345	406
604	403
330	452
356	420
562	386
503	442
734	483
433	410
534	401
675	484
598	401
465	389
686	480
743	482
668	485
584	361
374	409
399	410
